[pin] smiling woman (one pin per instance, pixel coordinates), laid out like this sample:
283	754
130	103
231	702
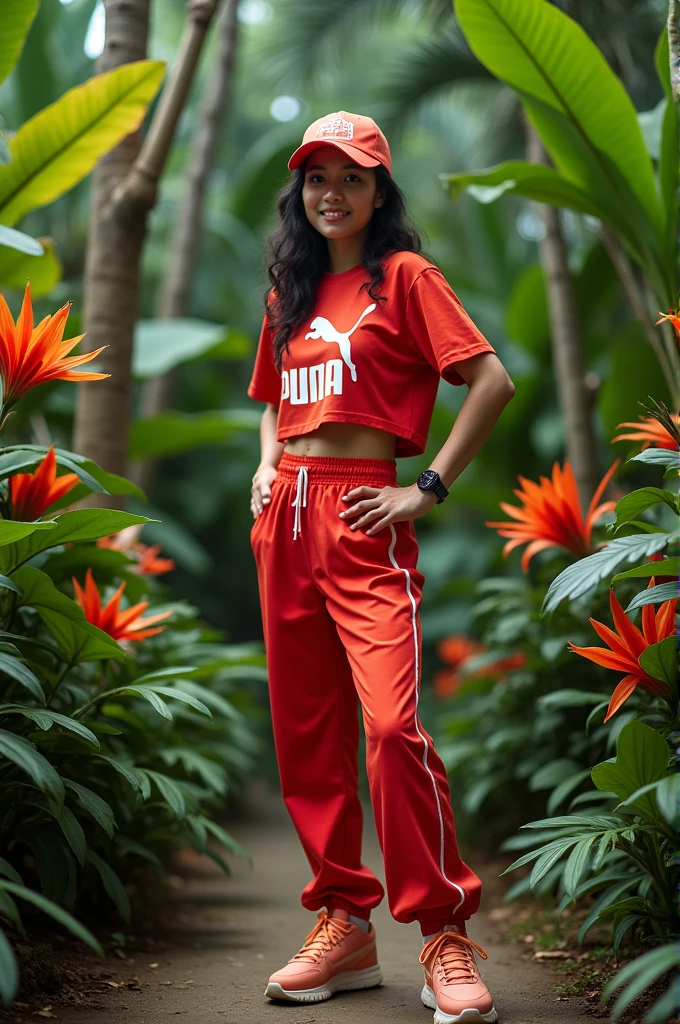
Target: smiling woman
358	332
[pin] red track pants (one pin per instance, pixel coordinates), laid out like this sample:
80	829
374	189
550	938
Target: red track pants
340	613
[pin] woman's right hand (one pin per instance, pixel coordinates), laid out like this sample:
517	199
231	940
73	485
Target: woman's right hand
261	490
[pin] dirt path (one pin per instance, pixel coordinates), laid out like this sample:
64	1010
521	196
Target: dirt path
228	934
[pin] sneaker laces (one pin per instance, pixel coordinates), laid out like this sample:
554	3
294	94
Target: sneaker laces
325	933
454	952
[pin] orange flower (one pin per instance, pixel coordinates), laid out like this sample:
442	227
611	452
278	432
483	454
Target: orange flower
455	649
148	564
32	355
627	644
502	666
551	516
673	317
125	625
651	431
33	493
445	683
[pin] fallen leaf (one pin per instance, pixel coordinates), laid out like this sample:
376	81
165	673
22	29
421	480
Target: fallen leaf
552	954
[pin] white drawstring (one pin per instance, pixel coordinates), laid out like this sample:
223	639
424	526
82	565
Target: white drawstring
300	499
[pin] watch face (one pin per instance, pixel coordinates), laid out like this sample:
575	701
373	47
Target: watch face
427	478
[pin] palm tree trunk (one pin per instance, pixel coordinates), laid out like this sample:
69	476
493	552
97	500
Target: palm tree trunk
574	396
183	247
124	190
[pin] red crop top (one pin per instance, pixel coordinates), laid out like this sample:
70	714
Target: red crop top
357	361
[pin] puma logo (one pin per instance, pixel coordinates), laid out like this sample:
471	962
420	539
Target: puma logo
324	329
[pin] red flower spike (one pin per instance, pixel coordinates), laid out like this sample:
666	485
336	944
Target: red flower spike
125	625
627	644
551	515
33	493
32	355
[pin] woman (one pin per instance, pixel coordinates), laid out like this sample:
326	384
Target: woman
359	329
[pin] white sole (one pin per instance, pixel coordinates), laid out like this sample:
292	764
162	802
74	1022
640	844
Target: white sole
345	982
469	1016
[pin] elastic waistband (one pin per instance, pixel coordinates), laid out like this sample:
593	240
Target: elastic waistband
337	469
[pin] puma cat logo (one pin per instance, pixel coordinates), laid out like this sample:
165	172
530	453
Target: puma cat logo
324	329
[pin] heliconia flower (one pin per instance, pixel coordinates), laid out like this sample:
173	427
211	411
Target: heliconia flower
445	683
673	317
455	649
147	561
651	431
627	644
33	493
121	625
551	515
32	355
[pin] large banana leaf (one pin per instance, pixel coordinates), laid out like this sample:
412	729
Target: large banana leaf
16	268
60	145
17	16
579	107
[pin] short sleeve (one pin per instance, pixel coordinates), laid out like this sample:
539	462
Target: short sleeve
440	326
265	383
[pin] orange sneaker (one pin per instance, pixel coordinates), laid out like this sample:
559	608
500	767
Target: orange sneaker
453	987
337	955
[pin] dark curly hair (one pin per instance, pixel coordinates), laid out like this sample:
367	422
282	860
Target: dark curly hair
298	254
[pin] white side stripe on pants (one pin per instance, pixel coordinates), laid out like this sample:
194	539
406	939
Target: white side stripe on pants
417	690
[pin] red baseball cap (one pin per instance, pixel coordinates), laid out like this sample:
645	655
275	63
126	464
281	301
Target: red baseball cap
357	136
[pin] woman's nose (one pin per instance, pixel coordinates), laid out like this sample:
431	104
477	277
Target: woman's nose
333	194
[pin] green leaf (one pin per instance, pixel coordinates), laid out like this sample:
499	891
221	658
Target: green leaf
9	871
78	639
10	532
60	145
8	584
160	345
577	863
54	911
580	577
169	790
659	660
172	432
9	972
185	698
17	241
640	974
581	110
72	829
668	567
225	838
127	773
164	673
112	884
33	763
569	699
658	457
17	670
668	800
46	718
94	805
17	17
655	595
148	694
639	501
43	271
641	757
82	524
515	177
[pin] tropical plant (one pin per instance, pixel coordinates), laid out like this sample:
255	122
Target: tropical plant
602	167
92	690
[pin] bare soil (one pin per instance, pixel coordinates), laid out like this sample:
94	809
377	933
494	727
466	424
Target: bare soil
208	945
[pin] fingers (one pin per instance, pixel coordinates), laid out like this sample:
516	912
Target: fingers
361	492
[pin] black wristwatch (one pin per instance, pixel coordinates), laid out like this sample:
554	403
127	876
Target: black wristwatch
429	480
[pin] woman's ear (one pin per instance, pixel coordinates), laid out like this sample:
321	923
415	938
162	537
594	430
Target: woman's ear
379	198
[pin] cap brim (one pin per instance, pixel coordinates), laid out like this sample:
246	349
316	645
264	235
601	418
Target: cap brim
359	158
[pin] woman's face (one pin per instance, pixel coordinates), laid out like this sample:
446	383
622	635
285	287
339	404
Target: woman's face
339	197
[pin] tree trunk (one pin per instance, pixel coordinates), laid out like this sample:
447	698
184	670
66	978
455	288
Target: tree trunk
183	247
124	190
574	396
674	47
111	264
